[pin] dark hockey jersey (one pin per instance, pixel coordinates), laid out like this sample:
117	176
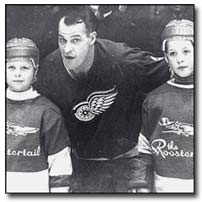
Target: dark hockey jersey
168	134
103	109
37	144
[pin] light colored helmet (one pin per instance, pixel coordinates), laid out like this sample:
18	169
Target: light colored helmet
178	29
22	47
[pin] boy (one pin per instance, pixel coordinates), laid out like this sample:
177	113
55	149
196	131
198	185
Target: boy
167	131
38	148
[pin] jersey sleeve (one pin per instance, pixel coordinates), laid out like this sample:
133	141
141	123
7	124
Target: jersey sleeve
57	148
54	132
145	133
147	72
60	170
143	172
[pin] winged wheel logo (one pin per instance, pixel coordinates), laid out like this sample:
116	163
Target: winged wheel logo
95	104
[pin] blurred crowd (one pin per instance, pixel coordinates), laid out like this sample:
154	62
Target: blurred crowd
137	25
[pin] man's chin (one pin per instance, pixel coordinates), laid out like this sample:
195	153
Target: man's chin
70	67
69	64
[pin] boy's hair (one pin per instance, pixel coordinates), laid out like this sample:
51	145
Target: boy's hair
177	29
81	14
22	48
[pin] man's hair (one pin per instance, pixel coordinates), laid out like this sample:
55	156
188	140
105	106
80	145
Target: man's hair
80	14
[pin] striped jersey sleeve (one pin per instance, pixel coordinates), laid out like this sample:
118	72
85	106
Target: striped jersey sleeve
57	148
60	170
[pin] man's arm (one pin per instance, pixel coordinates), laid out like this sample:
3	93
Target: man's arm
147	71
141	167
141	67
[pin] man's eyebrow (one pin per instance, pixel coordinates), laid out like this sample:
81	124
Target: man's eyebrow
61	35
76	35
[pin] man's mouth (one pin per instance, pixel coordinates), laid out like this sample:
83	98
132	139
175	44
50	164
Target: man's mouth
69	57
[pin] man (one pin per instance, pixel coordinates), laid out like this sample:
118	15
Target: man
98	85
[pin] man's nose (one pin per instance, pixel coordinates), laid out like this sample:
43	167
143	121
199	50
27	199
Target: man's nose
68	48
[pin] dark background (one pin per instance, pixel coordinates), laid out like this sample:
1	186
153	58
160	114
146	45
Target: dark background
137	25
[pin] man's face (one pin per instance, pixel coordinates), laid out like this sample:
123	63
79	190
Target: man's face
74	44
20	73
180	56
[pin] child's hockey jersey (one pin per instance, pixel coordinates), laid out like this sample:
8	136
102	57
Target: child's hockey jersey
37	144
168	134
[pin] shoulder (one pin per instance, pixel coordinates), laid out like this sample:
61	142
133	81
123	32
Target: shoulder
122	54
50	67
159	95
109	46
163	89
52	58
114	51
52	55
171	89
46	106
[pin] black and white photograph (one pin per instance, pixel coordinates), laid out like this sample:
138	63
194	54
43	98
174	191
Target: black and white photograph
100	99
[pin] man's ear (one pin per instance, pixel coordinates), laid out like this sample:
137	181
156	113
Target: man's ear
93	36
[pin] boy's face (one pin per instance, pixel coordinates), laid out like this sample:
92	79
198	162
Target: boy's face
180	56
20	73
74	44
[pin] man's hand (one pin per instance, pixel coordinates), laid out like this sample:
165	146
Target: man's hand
140	176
